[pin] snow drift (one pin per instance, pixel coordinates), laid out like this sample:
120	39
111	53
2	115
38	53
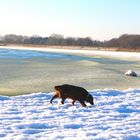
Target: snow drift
115	115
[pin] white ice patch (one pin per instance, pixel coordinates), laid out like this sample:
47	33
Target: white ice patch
115	116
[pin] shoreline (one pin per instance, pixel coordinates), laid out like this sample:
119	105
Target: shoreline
76	50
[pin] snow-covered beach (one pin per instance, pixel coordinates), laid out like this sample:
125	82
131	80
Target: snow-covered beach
115	116
69	70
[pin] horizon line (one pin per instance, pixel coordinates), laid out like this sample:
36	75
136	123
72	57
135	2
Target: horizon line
36	35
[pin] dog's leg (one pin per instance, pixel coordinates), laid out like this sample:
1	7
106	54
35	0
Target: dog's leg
55	96
63	99
73	102
82	103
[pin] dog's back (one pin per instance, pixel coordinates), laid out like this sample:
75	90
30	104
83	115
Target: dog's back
73	92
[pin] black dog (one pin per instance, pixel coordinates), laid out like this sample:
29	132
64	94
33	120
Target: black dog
73	92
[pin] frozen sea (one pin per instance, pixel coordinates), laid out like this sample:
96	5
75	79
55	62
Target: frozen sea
115	116
28	71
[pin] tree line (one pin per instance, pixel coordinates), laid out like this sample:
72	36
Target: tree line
123	42
54	39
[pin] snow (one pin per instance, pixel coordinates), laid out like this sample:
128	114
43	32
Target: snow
115	116
131	73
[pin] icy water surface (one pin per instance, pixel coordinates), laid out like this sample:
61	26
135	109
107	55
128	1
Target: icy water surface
26	71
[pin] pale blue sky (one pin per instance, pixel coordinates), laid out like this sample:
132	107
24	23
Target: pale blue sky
98	19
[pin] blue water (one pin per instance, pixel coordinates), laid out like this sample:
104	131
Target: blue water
26	54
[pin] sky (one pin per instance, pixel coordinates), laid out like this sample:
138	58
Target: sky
98	19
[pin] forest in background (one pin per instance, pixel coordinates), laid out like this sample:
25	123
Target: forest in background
126	41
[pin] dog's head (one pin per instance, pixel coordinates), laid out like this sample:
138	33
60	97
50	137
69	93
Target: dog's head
90	99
